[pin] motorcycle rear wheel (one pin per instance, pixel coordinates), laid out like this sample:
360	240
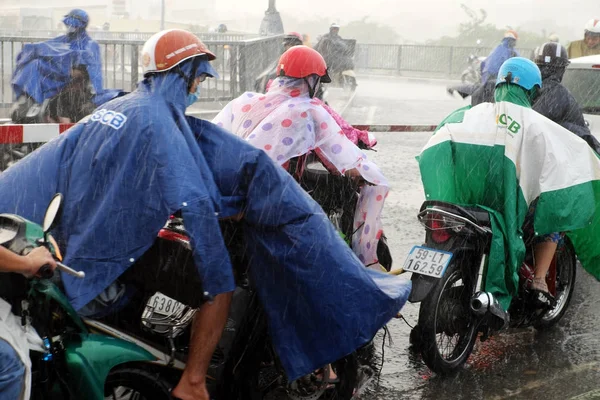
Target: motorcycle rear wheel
566	267
448	329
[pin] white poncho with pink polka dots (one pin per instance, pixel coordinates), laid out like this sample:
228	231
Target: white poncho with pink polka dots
286	123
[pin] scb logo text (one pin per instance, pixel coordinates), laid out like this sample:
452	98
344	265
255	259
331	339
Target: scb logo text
113	119
512	125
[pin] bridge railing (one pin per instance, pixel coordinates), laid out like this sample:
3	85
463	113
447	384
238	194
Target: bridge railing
238	63
109	35
439	60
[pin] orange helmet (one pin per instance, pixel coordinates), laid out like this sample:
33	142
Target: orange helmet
169	48
302	62
511	34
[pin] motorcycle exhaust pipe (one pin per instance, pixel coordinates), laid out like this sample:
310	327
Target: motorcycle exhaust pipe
484	304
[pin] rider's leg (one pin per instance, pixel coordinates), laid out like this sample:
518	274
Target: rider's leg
12	373
543	254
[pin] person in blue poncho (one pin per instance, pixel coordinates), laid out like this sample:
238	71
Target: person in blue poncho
504	51
139	159
70	63
491	65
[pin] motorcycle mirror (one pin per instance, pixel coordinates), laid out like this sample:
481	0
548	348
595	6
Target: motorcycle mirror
52	212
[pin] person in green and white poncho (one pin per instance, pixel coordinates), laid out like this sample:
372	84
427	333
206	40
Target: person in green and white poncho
513	161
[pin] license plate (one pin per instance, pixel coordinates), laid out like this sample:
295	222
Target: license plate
426	261
165	305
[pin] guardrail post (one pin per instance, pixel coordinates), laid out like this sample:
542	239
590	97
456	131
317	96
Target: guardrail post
242	68
234	54
134	65
450	61
399	58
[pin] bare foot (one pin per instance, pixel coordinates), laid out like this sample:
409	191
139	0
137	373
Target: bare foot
187	390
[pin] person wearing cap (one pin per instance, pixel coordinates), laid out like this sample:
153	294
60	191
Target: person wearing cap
554	100
590	44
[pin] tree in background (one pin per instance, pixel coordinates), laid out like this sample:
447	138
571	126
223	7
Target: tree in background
370	32
477	29
363	31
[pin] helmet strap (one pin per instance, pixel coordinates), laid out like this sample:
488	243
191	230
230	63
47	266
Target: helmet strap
312	89
189	80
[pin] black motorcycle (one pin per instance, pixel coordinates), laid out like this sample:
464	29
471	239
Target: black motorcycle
244	364
449	280
339	56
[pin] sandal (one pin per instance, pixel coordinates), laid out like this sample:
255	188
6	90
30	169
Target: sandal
319	377
540	293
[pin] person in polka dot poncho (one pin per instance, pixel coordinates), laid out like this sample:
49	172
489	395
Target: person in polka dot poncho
287	122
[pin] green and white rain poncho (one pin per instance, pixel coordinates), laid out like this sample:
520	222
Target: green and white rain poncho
502	157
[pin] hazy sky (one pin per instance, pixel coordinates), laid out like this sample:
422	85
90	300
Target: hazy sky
430	18
413	20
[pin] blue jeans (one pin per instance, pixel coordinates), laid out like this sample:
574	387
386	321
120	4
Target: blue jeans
11	373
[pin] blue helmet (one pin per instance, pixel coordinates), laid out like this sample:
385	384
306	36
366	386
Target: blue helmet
77	18
520	71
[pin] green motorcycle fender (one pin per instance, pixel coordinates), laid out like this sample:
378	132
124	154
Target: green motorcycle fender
90	360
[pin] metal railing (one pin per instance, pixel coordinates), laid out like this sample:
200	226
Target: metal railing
238	64
448	61
108	35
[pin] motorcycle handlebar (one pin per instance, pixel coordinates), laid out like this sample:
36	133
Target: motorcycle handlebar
46	272
70	271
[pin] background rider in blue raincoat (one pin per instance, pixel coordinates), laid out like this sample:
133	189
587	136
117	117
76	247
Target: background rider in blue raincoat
491	65
46	69
139	159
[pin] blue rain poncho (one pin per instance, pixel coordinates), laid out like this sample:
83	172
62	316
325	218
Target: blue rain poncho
44	69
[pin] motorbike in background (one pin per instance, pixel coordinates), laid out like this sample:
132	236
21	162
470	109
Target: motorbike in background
471	76
339	56
449	281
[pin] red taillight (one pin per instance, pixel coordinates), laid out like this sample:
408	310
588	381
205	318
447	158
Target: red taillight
597	66
437	226
440	236
173	236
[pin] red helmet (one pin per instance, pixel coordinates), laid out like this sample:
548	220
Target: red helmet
302	62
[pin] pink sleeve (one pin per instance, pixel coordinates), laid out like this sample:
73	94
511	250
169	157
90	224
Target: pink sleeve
351	132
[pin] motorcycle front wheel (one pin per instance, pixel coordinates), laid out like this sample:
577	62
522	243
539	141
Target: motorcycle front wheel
134	383
447	326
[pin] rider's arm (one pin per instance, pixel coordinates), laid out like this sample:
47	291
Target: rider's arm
208	325
27	265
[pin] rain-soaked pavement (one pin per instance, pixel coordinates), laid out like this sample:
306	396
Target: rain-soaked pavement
562	363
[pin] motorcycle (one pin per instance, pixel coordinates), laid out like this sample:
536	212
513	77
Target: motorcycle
472	74
340	62
74	359
449	280
244	364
